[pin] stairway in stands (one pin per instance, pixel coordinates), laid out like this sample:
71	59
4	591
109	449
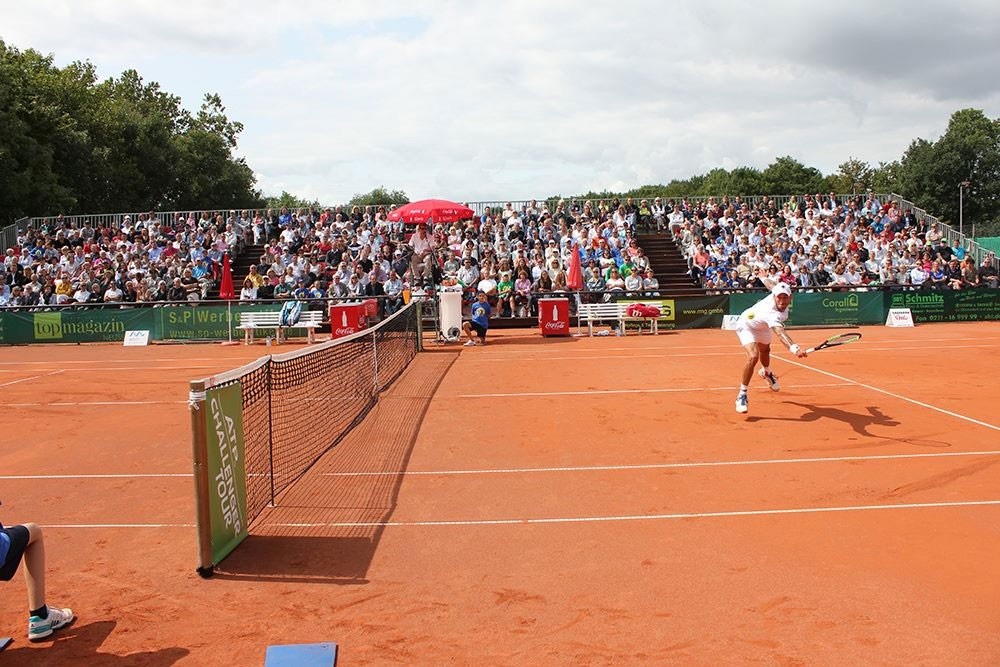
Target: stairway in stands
241	267
668	265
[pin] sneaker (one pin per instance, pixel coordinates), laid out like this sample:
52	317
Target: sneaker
40	628
741	403
470	343
771	378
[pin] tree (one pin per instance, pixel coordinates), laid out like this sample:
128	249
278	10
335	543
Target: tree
930	173
289	201
380	197
786	175
853	176
70	144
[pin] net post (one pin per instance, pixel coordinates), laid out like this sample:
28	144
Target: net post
375	361
270	429
199	444
420	326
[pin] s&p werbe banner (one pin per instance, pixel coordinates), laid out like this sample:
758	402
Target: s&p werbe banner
227	482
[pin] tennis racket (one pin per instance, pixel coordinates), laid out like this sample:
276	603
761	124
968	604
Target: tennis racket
834	341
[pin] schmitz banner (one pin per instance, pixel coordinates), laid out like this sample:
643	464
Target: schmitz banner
967	305
226	469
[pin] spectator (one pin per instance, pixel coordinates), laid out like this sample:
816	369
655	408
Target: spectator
113	294
25	542
177	292
393	288
476	329
988	274
249	290
650	284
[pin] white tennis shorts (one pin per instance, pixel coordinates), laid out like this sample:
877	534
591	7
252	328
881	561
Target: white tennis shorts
748	335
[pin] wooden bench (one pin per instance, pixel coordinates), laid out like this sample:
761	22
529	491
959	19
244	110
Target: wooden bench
615	311
271	319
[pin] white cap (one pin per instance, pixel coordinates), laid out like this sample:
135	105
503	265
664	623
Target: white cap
781	288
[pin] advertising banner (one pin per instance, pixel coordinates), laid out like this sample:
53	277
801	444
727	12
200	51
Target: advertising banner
968	305
813	308
687	312
84	325
227	482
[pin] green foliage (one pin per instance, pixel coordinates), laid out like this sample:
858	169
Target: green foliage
289	201
72	144
380	197
931	173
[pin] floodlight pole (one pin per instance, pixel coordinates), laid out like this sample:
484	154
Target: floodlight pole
961	189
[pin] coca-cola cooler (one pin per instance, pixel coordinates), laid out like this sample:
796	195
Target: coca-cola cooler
347	318
553	317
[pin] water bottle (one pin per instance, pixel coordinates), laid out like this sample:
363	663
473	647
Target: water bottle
268	341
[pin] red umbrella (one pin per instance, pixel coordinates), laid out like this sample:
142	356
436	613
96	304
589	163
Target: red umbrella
438	210
226	290
574	277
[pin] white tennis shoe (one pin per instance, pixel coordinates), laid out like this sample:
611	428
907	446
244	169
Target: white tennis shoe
770	378
40	628
741	403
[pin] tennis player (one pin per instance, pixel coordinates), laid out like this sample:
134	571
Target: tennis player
756	327
26	541
480	320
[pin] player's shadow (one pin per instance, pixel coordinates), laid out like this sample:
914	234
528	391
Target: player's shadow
80	644
860	423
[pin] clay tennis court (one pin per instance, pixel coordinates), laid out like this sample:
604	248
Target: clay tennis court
536	501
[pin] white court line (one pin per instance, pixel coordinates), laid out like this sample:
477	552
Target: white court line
894	395
118	525
33	377
97	476
634	517
735	351
105	362
655	466
671	390
63	404
507	471
115	369
550	520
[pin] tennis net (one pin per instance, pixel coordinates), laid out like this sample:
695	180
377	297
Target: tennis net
260	427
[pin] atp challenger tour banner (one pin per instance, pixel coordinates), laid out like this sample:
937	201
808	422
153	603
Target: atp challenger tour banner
227	482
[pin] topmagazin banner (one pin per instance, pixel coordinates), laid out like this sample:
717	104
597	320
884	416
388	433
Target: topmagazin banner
72	325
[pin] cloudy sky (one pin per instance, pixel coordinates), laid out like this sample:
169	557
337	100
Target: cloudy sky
518	99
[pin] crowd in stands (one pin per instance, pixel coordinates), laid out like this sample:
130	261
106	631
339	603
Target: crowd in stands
820	242
56	262
513	254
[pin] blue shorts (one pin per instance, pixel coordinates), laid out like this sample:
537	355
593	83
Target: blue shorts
18	542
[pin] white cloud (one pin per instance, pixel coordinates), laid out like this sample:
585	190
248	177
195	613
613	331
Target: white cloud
482	100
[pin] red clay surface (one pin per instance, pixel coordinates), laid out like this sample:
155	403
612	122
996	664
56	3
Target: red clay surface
536	501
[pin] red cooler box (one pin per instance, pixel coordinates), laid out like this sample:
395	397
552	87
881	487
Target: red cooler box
371	308
553	317
347	318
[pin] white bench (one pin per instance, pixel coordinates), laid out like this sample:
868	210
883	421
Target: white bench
616	311
271	319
